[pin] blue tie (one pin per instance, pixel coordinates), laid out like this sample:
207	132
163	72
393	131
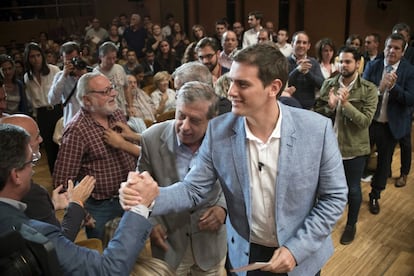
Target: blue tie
388	68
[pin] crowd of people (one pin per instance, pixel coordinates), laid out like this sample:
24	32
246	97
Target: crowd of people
212	194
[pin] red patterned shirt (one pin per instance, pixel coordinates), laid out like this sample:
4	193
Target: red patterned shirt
84	152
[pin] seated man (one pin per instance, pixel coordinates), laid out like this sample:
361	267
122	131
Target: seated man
39	204
16	169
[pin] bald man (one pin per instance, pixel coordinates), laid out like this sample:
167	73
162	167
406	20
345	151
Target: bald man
40	205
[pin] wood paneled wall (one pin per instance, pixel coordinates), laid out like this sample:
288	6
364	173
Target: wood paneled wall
322	18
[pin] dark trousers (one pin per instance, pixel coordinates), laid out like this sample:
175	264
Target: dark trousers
46	120
385	142
405	154
354	169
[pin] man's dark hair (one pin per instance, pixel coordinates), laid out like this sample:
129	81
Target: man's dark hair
207	41
268	59
29	68
401	27
396	36
355	53
257	14
13	146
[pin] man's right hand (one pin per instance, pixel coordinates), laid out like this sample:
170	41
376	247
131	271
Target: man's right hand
82	191
158	237
140	188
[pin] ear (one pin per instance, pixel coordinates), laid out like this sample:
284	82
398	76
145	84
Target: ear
357	64
86	100
275	88
14	177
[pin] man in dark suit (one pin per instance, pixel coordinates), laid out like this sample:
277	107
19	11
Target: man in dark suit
304	72
405	142
40	205
394	77
16	170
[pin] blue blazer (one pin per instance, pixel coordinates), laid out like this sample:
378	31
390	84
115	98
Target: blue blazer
311	190
117	259
401	96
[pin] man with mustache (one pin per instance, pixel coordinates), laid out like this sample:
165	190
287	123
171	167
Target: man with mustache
85	152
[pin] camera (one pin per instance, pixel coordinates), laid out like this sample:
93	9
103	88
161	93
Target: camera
79	63
27	252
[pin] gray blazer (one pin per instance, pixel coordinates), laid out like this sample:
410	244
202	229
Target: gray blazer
158	158
311	190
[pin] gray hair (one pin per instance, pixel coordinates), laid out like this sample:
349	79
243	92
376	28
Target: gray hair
83	87
192	71
194	91
107	47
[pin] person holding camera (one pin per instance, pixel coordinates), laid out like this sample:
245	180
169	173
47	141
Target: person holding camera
63	89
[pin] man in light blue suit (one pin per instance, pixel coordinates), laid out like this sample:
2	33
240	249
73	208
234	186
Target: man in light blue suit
280	169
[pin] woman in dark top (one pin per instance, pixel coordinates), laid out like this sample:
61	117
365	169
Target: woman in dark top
166	59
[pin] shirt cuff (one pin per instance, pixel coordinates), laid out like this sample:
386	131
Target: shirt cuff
141	210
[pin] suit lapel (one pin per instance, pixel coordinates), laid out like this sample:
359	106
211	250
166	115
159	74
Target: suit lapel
286	155
167	147
240	158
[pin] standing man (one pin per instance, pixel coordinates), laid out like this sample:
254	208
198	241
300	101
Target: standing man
135	35
208	53
239	30
255	23
405	142
283	197
350	102
221	28
116	74
394	77
188	241
63	89
304	72
84	152
282	42
372	42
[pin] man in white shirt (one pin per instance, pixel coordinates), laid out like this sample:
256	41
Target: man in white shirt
255	23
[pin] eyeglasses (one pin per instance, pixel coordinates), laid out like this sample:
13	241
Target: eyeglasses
35	158
208	56
105	92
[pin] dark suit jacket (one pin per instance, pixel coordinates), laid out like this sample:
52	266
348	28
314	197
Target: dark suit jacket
306	84
409	54
117	259
40	207
401	96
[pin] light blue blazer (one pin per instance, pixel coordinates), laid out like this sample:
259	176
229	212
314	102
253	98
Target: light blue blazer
311	190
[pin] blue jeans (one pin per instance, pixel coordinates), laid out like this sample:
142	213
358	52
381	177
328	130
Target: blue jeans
102	211
354	169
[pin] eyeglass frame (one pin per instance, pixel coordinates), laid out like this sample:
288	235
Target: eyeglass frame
33	161
105	92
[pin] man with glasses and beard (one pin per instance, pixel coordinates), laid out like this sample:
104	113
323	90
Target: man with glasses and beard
208	54
84	151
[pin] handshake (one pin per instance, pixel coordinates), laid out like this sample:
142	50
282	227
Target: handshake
139	189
